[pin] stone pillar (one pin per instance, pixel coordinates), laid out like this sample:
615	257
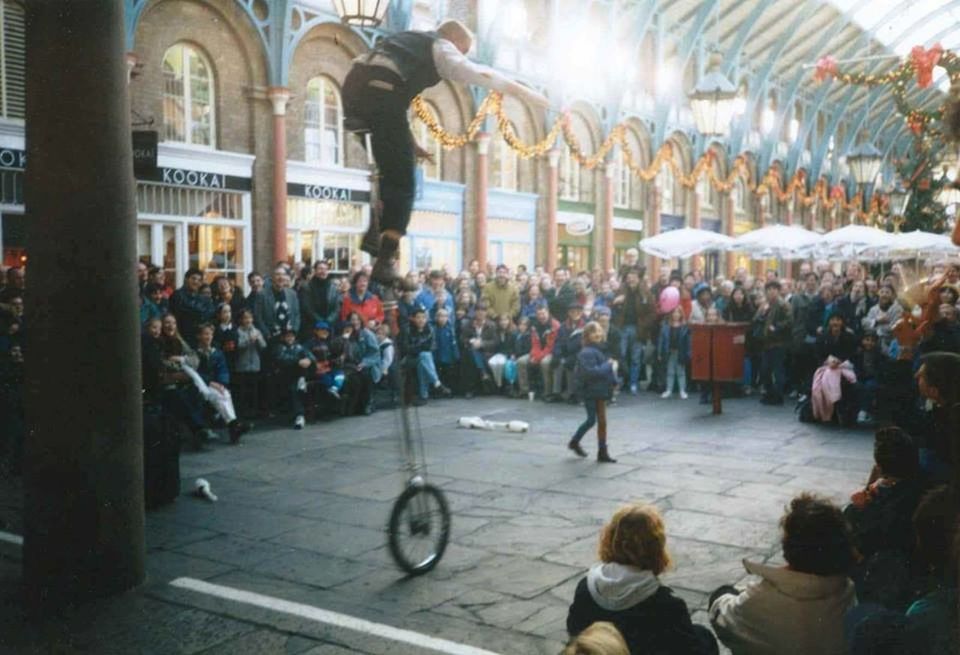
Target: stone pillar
608	249
791	205
731	214
480	199
696	262
279	96
653	227
132	61
553	190
83	473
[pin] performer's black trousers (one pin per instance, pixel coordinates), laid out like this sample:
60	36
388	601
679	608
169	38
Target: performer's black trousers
385	113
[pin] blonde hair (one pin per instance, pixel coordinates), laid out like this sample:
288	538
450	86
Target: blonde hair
635	536
600	638
456	32
589	330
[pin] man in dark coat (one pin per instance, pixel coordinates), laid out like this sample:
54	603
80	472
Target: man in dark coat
190	308
319	298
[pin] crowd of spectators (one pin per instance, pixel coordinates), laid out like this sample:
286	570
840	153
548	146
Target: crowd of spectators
878	576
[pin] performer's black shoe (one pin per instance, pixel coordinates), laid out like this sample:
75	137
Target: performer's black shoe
604	457
385	268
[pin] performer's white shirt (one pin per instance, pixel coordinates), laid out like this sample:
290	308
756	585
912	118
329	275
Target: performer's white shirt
452	65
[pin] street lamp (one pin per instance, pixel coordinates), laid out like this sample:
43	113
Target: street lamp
713	100
864	161
361	13
899	199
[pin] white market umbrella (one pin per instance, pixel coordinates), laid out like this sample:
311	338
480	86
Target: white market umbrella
852	241
776	241
925	243
683	243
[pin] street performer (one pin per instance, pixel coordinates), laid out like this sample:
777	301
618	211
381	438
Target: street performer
376	95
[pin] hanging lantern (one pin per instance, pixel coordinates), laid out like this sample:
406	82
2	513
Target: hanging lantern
864	162
361	13
713	100
899	199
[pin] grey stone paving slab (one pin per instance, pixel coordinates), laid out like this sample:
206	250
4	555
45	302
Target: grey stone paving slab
266	642
310	568
618	489
350	511
765	510
729	531
521	577
236	551
786	491
698	480
163	566
162	532
522	536
345	541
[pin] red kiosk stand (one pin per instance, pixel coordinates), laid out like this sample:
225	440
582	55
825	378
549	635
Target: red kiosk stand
718	352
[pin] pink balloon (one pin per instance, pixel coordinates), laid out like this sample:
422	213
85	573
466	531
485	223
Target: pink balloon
669	299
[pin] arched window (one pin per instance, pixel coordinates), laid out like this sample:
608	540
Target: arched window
503	163
705	190
12	71
431	170
188	109
323	123
569	175
623	188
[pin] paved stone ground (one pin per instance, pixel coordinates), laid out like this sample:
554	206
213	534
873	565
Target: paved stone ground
302	517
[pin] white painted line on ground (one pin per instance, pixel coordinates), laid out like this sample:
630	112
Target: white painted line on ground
330	618
11	538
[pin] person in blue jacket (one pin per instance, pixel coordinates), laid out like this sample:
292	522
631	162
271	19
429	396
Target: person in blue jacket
214	380
594	379
446	352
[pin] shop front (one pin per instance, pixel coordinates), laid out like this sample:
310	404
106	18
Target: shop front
575	240
627	233
13	220
194	211
328	211
435	235
511	228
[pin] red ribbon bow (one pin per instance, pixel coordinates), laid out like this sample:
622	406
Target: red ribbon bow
826	69
923	62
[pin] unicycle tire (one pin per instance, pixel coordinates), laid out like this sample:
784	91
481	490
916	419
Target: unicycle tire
420	513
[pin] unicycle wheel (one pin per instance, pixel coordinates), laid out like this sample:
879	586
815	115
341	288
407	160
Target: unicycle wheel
419	528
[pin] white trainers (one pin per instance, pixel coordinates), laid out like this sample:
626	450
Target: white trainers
665	394
302	384
334	392
299	422
683	395
633	390
863	418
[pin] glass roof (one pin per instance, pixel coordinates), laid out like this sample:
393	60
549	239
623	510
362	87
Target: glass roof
901	25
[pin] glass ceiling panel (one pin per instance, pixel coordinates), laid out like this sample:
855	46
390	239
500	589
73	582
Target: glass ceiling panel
901	25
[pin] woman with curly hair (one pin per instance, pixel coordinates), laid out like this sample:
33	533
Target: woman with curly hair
799	608
624	589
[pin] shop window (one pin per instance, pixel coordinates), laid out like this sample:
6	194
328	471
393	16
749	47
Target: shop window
158	199
323	123
432	170
504	164
705	190
216	250
569	175
188	109
11	187
13	62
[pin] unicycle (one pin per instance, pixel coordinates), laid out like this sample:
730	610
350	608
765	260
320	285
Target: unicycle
419	526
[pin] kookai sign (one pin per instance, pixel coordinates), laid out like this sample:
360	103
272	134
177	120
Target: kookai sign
325	192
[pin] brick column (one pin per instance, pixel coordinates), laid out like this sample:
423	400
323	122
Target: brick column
731	215
608	182
653	226
278	97
480	199
553	189
696	262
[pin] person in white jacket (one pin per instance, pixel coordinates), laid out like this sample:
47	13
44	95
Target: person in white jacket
797	609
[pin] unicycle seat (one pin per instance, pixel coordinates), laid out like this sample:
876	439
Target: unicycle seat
356	125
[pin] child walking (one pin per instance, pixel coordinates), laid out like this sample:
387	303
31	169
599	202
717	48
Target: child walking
594	379
673	348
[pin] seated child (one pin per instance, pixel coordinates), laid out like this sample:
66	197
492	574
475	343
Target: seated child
212	380
446	351
624	589
329	369
293	363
